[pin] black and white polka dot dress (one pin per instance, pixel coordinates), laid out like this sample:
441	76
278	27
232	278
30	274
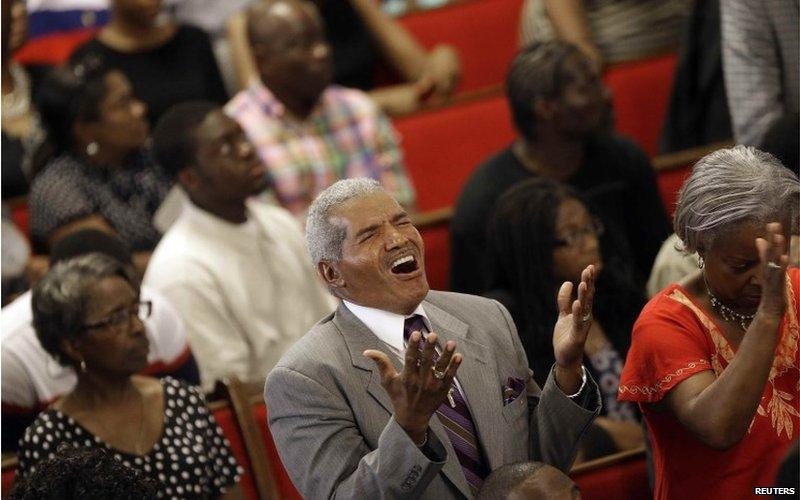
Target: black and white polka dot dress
191	460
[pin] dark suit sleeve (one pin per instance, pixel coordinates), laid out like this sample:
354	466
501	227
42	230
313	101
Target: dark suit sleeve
556	422
325	453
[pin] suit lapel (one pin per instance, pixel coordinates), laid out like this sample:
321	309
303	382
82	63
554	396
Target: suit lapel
476	375
359	338
478	379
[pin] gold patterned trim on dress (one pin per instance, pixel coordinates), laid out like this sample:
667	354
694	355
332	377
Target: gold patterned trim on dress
648	391
779	407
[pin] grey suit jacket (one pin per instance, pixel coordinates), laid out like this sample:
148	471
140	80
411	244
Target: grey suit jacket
332	420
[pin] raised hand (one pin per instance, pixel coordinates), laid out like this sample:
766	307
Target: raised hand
574	320
420	388
774	259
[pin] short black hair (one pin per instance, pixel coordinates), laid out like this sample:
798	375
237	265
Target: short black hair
71	94
174	140
83	473
506	479
87	241
537	71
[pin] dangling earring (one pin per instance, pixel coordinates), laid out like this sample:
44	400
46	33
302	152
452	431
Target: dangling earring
82	364
92	148
700	262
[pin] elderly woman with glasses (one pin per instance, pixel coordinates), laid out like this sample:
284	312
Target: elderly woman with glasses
714	359
540	235
87	314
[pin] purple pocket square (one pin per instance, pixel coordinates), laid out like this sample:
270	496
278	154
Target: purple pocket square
513	388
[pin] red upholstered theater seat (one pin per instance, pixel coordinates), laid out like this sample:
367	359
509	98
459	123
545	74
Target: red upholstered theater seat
624	478
437	256
443	146
226	419
484	32
9	471
669	183
286	489
641	96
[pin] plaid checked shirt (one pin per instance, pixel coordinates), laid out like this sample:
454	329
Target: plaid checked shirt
346	136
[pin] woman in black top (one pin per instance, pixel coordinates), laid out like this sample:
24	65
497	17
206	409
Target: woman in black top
87	314
103	178
166	63
541	234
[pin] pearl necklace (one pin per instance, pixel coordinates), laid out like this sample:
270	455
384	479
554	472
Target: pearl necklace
726	312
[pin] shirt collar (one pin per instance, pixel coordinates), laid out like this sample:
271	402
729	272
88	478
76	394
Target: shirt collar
387	326
274	107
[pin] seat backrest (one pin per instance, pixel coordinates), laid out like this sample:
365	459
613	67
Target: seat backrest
620	476
484	32
443	146
641	95
286	489
9	472
225	417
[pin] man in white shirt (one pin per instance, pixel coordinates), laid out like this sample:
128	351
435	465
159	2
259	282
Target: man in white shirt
236	268
32	379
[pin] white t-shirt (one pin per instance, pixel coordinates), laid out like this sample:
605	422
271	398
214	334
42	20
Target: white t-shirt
246	291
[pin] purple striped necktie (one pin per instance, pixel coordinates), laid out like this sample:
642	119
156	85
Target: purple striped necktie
457	421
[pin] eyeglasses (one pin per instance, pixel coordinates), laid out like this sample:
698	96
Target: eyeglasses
141	309
575	238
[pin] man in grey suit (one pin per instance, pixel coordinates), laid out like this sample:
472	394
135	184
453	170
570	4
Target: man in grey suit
352	404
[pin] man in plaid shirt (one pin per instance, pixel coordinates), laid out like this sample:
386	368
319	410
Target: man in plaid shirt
308	132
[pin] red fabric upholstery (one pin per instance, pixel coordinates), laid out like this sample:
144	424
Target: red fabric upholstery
286	489
641	96
8	481
437	256
484	32
53	49
21	218
669	182
623	481
443	146
227	421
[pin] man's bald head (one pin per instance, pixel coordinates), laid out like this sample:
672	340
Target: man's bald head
263	18
292	56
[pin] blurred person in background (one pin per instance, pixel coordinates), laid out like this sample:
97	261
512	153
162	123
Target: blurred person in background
562	113
362	37
32	378
607	31
165	62
308	132
103	177
235	267
542	234
89	316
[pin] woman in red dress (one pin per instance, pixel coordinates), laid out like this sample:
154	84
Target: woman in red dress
714	360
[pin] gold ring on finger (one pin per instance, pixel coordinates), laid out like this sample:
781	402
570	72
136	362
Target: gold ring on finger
438	375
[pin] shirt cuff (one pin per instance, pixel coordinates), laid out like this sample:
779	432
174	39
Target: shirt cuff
583	384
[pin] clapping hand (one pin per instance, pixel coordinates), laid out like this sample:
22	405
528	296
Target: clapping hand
772	253
572	328
422	386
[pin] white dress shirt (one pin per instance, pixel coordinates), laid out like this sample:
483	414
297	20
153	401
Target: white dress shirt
389	328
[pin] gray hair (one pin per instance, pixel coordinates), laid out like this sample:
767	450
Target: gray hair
323	237
731	186
61	299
